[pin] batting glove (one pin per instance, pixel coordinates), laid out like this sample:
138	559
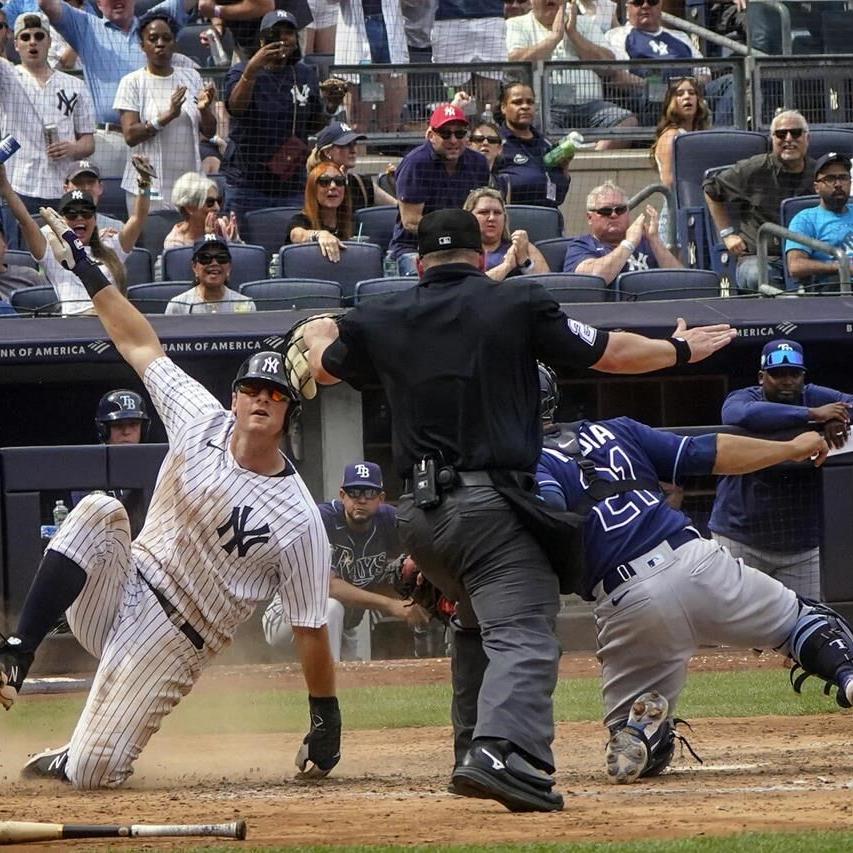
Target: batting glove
321	748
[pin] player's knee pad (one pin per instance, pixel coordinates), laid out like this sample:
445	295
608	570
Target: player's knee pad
821	643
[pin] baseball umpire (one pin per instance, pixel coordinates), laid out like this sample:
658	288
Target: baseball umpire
661	590
772	518
230	523
456	356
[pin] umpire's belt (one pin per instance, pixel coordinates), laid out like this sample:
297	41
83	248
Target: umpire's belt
175	617
466	479
615	577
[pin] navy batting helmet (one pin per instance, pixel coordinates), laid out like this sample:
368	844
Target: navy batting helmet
268	366
549	393
120	405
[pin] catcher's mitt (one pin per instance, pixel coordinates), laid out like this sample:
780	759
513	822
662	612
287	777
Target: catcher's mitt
295	362
334	90
408	582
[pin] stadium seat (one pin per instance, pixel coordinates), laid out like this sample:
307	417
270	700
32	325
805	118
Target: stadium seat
376	223
157	227
789	208
280	294
152	297
387	181
377	286
267	227
644	285
540	223
38	301
554	251
722	261
693	154
139	265
18	258
573	287
361	261
822	140
189	44
248	263
113	202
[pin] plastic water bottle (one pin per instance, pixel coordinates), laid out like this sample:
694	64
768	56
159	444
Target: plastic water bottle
390	267
488	117
217	52
562	153
60	513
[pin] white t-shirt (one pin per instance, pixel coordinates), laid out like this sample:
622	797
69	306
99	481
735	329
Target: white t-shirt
573	86
191	302
70	292
63	101
174	150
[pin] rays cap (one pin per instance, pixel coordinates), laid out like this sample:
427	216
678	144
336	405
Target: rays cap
276	17
362	475
828	159
453	228
444	114
337	133
83	167
34	20
782	353
209	241
76	198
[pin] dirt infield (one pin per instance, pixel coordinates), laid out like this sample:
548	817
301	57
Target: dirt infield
760	774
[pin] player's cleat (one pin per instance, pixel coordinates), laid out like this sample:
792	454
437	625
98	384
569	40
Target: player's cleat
15	663
492	770
627	753
49	764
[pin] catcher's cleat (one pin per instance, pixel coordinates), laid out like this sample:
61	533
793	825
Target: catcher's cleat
15	663
492	770
49	764
628	750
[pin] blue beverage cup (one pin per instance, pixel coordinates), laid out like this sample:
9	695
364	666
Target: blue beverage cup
8	146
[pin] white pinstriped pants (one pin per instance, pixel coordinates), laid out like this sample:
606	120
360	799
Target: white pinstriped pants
146	663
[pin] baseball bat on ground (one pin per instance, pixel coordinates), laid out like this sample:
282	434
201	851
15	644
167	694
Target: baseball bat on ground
17	831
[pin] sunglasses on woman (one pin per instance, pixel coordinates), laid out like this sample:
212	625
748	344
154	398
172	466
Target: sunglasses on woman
210	257
212	202
478	138
37	36
329	180
252	389
78	213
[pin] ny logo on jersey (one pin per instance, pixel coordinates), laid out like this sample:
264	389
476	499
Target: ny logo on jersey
242	538
301	95
66	104
659	47
640	261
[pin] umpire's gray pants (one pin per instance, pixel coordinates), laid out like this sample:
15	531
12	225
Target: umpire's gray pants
505	655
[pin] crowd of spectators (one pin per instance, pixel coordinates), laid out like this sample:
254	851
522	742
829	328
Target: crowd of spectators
277	136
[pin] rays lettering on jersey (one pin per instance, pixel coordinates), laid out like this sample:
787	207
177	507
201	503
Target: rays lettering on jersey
359	571
243	538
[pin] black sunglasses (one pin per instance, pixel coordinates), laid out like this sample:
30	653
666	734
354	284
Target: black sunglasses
782	132
639	3
328	180
457	134
37	36
356	492
210	202
3	26
252	389
492	140
78	213
210	257
618	209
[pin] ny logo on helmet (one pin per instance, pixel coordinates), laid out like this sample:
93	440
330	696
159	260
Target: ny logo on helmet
362	471
271	365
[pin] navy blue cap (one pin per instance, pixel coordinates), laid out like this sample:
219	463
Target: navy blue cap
337	133
782	353
78	198
362	475
210	240
276	17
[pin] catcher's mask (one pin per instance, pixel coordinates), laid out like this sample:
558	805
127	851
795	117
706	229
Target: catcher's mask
268	366
549	393
120	405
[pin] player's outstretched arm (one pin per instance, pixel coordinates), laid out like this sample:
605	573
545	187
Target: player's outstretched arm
740	454
132	334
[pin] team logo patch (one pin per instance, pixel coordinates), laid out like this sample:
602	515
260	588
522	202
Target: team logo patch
520	159
242	538
586	333
271	365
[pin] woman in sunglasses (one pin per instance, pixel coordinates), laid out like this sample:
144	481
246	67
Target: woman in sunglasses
684	110
79	209
487	140
524	148
197	198
326	218
210	293
506	254
163	108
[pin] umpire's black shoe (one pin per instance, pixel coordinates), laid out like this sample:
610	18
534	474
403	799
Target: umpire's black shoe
493	770
49	764
15	662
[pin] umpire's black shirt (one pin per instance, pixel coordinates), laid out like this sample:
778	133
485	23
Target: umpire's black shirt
456	356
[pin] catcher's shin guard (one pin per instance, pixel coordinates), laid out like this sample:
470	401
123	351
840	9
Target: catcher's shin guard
821	643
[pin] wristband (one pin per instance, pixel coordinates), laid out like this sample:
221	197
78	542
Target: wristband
217	11
527	265
156	125
145	191
727	232
682	351
90	276
627	244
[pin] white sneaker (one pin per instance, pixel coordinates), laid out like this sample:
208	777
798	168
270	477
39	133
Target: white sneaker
627	751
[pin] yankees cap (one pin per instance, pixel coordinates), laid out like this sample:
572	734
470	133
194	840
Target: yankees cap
83	167
361	475
208	241
276	17
444	114
782	353
337	133
452	228
78	198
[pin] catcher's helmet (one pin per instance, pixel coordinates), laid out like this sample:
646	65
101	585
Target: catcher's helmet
120	405
549	393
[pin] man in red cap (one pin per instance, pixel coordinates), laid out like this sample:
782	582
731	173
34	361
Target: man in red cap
437	174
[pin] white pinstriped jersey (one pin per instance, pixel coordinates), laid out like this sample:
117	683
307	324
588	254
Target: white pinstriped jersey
219	539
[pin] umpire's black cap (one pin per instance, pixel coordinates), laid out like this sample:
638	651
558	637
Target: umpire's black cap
453	228
267	366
